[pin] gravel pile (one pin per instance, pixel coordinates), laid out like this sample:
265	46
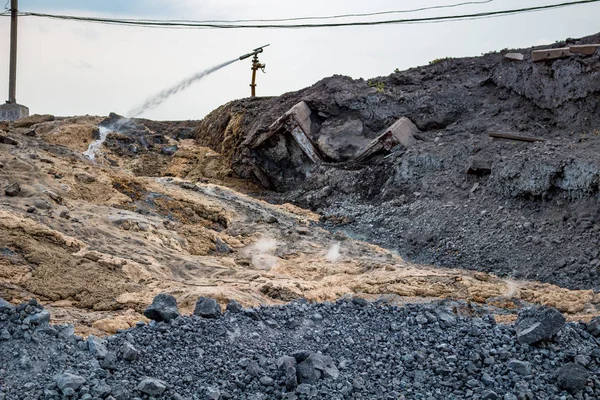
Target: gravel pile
350	349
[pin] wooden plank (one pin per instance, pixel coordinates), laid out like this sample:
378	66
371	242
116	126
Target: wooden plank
305	143
587	49
402	131
300	113
514	56
511	136
550	54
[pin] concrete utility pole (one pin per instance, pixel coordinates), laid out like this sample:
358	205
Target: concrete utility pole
11	110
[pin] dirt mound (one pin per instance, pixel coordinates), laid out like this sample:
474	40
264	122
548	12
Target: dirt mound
95	241
457	197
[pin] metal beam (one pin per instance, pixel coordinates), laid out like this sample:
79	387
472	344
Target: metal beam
12	75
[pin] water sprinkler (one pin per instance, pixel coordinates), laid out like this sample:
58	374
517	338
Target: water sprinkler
256	65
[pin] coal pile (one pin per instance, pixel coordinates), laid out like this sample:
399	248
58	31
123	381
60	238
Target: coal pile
348	349
455	197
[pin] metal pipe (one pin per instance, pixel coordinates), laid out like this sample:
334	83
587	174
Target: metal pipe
12	75
254	52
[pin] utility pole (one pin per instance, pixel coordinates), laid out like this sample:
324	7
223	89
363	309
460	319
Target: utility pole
11	110
12	75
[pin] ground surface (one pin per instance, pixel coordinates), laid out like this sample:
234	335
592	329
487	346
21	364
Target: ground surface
96	241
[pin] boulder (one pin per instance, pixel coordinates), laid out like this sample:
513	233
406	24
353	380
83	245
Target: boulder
593	327
152	387
315	367
520	367
207	308
13	189
66	381
163	308
97	346
538	323
234	307
129	352
6	307
572	377
287	365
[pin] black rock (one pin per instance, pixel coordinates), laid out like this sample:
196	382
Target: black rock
97	346
67	380
234	307
594	326
538	323
163	308
221	246
13	189
520	367
6	307
316	366
129	352
207	307
109	361
572	377
287	365
359	301
152	387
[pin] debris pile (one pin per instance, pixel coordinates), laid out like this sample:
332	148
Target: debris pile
499	173
347	349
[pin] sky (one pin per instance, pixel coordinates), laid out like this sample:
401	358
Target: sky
77	68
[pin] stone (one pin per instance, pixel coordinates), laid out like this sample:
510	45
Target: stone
119	392
221	246
163	308
6	140
68	381
538	323
287	364
169	150
520	367
306	390
42	204
593	327
13	189
479	167
234	307
572	377
489	395
207	307
359	301
315	367
550	54
101	390
129	352
5	334
41	318
109	361
6	307
85	178
213	394
97	346
152	386
514	56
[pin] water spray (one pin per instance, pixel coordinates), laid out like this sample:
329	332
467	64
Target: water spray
160	97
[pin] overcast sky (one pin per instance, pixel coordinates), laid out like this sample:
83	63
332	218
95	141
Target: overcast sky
76	68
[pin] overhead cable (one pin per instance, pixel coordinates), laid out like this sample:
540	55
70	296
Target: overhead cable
200	24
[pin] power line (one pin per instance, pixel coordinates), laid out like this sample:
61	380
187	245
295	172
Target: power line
235	21
200	24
